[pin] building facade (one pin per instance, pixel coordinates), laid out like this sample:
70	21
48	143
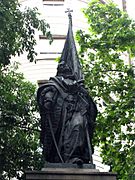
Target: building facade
53	11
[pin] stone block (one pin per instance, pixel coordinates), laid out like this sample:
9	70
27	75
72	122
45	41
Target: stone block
69	174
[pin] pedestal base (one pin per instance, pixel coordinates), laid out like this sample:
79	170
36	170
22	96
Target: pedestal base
69	174
68	165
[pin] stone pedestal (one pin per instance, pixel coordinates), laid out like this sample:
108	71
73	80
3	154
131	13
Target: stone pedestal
69	174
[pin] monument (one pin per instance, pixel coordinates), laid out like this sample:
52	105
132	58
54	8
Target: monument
67	111
68	117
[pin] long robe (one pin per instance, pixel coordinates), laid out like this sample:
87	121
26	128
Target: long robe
67	114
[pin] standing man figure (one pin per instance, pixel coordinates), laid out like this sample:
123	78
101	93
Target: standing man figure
67	111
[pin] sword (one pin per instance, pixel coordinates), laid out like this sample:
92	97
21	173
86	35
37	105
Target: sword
89	145
54	140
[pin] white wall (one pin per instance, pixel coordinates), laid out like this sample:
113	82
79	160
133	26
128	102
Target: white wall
58	20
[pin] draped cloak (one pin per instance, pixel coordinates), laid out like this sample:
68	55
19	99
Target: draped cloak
70	114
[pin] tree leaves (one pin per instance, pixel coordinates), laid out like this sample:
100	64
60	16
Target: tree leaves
19	125
19	122
110	81
17	30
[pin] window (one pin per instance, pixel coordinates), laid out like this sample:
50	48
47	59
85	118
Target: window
48	59
50	53
53	2
55	37
53	51
53	8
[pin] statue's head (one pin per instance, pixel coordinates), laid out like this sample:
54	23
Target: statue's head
64	70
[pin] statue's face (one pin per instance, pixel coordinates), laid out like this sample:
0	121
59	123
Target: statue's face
64	69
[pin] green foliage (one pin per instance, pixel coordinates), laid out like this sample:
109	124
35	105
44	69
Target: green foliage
17	30
111	82
19	125
57	59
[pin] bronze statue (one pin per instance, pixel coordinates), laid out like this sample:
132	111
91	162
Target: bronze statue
67	111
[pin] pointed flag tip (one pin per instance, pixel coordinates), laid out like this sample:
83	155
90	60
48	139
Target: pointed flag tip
69	65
